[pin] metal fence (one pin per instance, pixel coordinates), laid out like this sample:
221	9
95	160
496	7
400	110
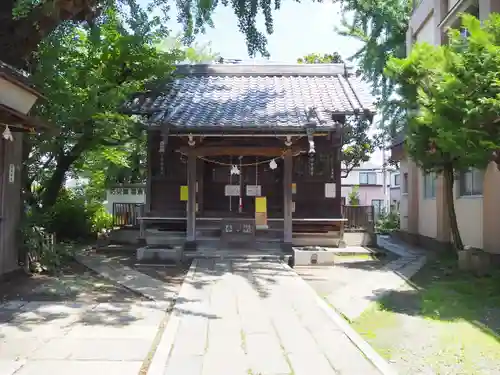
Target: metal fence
359	218
127	214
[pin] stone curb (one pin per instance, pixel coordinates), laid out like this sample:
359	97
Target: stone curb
378	362
164	348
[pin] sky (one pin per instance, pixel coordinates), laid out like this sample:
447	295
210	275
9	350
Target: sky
299	29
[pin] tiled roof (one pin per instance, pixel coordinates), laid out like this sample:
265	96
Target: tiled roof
254	96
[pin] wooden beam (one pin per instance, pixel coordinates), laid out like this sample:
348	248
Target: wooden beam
238	151
191	203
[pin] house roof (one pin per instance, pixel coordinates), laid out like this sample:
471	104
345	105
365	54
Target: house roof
235	96
17	77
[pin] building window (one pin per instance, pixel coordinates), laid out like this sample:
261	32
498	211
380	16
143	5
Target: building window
471	182
430	185
378	206
397	178
405	183
367	178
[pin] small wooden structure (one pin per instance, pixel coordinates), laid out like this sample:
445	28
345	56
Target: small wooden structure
252	144
17	96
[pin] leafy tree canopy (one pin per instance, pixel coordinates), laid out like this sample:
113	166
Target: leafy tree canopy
86	74
380	25
317	58
24	23
452	93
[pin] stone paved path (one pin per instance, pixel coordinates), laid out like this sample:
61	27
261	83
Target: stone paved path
257	317
76	338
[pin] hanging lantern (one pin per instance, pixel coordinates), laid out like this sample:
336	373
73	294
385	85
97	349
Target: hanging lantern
7	134
273	165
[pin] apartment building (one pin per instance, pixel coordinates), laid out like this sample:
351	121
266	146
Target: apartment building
395	189
423	207
368	179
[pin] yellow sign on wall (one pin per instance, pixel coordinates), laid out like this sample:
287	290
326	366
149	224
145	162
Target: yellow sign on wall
261	204
294	188
184	193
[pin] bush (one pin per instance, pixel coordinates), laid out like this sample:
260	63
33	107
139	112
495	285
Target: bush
43	253
100	218
73	218
353	197
387	223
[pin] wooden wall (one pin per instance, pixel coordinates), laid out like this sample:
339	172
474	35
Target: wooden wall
310	201
10	202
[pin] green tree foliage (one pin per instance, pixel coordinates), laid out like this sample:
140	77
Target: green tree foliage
25	23
453	95
87	73
353	196
317	58
380	25
357	146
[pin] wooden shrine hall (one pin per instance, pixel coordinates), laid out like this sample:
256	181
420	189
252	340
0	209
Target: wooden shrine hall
247	153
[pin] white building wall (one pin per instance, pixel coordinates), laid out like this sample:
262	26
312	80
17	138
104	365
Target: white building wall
427	211
403	203
427	32
124	195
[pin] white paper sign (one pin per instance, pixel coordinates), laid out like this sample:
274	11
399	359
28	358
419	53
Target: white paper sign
12	173
254	191
232	190
330	190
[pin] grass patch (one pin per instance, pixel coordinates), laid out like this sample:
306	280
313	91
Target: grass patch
447	322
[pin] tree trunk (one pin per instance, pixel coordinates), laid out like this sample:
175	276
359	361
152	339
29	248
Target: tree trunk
54	185
63	165
449	180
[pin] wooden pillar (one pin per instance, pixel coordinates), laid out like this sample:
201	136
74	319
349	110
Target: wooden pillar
191	203
287	197
337	178
149	172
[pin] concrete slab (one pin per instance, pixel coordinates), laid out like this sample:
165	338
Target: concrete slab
143	284
80	367
274	311
9	367
157	254
99	349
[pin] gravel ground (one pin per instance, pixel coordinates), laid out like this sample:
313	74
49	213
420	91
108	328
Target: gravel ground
75	282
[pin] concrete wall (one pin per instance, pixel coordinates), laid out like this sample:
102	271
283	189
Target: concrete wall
469	212
427	220
403	203
491	210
